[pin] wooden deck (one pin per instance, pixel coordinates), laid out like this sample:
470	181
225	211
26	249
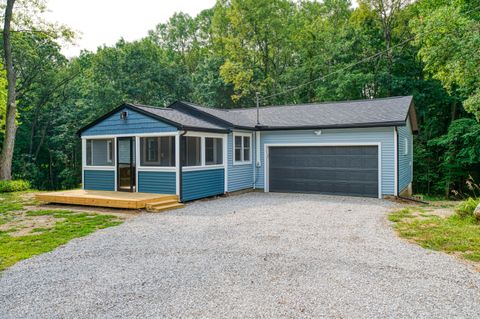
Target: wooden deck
106	198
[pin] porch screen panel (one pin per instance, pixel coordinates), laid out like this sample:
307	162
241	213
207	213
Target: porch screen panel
157	151
124	155
100	152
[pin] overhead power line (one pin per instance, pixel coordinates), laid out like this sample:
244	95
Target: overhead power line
323	77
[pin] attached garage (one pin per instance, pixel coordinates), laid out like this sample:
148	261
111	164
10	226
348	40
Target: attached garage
352	170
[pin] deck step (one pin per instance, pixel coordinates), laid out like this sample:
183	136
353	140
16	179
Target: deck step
163	198
161	208
162	202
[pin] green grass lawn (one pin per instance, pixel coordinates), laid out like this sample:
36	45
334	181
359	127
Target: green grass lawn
25	233
452	234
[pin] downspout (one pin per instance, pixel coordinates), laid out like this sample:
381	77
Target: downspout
254	163
396	190
180	167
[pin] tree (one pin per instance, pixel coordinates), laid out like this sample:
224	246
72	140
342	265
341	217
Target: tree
27	20
449	38
255	36
11	110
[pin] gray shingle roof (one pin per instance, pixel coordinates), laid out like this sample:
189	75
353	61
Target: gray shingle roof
178	117
372	112
361	113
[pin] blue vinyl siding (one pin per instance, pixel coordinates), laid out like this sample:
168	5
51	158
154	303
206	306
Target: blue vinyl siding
199	184
135	123
405	161
157	182
99	180
239	176
366	135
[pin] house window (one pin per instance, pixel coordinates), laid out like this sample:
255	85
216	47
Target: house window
406	146
191	151
243	149
213	151
99	152
157	151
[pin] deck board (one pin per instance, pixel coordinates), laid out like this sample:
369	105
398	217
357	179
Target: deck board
103	198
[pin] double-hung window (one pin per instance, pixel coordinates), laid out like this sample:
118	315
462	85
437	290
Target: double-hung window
243	148
157	151
99	152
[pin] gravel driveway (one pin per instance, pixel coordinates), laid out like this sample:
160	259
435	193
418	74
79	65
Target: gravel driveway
248	256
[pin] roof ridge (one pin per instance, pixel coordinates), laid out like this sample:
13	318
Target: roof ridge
150	106
324	102
296	105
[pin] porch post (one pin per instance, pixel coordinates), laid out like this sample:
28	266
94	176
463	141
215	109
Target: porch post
137	160
115	151
177	163
84	159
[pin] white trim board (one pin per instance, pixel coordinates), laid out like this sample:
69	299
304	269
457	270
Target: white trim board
267	158
99	168
172	169
395	161
137	161
177	164
100	137
225	162
202	168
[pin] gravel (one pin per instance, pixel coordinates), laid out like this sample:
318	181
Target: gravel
248	256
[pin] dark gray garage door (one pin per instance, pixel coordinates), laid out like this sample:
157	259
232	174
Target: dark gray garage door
337	170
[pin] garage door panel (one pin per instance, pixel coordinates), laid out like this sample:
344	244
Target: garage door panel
335	161
342	170
324	174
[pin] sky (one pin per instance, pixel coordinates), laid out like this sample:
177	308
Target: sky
99	22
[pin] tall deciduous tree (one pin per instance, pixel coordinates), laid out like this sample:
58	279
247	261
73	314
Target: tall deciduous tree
449	39
6	155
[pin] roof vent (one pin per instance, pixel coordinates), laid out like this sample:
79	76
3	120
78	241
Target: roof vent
123	115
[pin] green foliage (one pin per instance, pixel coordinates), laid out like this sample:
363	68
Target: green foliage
400	215
459	153
466	208
67	225
453	234
225	54
450	36
14	186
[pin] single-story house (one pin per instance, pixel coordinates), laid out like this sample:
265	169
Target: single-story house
357	148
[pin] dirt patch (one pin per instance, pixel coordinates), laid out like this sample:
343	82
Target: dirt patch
23	225
123	213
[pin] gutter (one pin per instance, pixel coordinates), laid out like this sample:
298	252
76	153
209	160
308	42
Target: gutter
180	167
333	126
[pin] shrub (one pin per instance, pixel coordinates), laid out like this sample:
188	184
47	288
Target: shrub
14	186
466	208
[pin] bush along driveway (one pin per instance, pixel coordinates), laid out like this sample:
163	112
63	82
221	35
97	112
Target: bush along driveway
28	231
255	255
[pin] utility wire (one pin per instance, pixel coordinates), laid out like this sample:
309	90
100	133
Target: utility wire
323	77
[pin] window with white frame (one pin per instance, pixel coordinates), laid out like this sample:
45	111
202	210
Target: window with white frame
213	151
157	151
242	148
405	141
99	152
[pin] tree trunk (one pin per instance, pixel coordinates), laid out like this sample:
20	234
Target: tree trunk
6	155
